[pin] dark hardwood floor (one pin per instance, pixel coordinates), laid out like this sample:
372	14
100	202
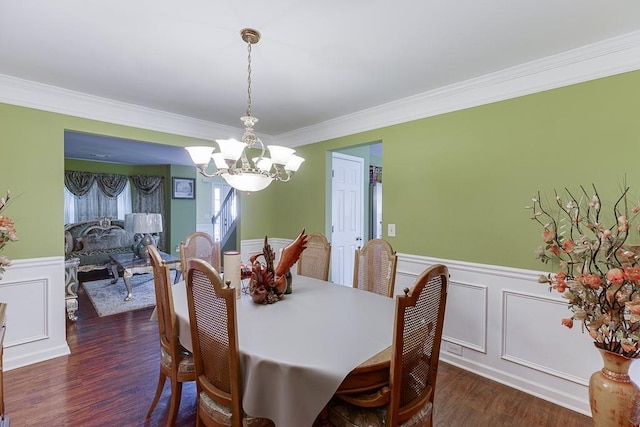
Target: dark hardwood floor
110	377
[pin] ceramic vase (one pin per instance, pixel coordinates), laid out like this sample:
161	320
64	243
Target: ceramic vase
612	395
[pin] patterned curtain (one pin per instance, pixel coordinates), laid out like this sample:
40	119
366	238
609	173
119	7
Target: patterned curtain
95	195
95	205
79	183
111	185
148	197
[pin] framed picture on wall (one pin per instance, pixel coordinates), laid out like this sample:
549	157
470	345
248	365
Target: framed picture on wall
184	188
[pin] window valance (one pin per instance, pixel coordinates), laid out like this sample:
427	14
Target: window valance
79	183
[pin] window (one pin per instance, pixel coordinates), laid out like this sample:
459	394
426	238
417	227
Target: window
95	204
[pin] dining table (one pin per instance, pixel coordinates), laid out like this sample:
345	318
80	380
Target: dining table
297	353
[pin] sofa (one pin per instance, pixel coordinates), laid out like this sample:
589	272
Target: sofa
93	242
88	246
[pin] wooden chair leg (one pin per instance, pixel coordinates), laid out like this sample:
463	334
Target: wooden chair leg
176	394
198	420
159	388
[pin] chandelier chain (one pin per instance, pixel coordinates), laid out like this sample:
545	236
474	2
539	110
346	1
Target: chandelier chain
249	79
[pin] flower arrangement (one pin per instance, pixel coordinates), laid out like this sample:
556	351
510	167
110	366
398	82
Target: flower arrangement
7	232
267	283
599	273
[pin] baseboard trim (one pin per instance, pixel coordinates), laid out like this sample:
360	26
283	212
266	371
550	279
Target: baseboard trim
541	391
22	360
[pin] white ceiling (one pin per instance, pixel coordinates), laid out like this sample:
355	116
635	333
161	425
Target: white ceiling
316	61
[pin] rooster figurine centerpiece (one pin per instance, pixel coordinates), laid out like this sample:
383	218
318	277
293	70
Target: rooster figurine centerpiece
268	284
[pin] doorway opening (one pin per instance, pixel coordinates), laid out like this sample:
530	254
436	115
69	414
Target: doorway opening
355	199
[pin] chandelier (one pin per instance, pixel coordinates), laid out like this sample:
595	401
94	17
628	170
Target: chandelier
240	170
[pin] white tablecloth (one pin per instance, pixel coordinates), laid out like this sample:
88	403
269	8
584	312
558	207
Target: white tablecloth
296	352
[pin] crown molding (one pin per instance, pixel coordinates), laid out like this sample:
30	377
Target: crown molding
26	93
605	58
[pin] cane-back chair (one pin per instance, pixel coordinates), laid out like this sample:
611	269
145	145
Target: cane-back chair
408	399
199	245
314	260
374	268
214	336
175	361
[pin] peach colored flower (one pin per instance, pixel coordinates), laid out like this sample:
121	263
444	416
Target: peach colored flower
548	236
633	274
7	224
591	280
616	276
568	323
623	225
554	250
560	287
568	245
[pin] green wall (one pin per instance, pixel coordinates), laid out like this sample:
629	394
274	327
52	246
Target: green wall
455	184
182	214
33	168
115	168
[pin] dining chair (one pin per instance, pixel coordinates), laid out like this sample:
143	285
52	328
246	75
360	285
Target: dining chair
214	337
415	353
199	245
176	362
314	260
374	268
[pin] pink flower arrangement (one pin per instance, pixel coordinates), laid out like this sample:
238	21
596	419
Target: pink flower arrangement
7	232
598	272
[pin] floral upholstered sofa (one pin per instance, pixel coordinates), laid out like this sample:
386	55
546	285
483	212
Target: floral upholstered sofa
88	246
93	242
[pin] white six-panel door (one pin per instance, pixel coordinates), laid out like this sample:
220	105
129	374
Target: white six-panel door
347	215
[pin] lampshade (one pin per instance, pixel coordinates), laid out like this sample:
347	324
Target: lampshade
280	155
248	182
200	155
294	163
143	223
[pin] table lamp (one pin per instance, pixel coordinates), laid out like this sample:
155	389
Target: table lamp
143	225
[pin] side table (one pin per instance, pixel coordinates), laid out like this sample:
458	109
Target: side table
131	266
71	287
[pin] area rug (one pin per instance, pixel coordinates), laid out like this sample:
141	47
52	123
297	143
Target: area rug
108	298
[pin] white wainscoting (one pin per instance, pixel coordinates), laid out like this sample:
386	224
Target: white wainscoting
255	246
506	326
35	295
502	324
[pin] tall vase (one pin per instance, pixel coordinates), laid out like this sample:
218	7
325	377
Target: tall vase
614	399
